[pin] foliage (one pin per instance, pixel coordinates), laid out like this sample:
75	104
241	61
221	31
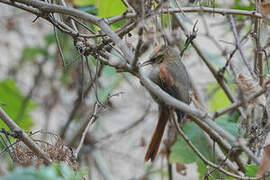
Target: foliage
12	99
218	97
107	8
238	4
104	8
89	8
251	170
114	82
30	53
181	152
53	172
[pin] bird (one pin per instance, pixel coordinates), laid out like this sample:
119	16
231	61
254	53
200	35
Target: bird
170	74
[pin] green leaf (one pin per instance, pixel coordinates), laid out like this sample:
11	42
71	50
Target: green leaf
54	172
24	174
181	152
229	124
242	6
109	71
118	24
11	96
219	99
82	2
108	8
114	81
166	18
201	168
89	8
239	5
49	39
30	53
251	170
213	4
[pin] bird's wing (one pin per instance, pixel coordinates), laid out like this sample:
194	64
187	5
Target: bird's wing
168	82
175	87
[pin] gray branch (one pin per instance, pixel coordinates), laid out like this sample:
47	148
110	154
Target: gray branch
21	135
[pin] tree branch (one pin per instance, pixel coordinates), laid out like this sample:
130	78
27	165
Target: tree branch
201	9
205	160
21	135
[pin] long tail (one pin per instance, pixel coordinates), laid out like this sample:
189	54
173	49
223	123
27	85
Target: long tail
157	136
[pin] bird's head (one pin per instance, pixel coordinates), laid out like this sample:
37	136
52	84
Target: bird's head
161	53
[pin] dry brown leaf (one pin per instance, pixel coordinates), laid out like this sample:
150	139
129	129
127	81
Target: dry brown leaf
265	9
265	162
248	87
181	168
254	120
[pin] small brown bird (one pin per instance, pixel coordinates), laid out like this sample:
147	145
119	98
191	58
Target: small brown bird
168	72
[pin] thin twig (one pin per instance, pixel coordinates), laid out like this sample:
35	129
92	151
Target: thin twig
91	120
190	38
59	47
21	135
239	47
228	60
260	67
77	104
102	23
138	48
92	79
82	24
210	66
6	146
200	9
237	104
198	153
131	126
257	34
25	7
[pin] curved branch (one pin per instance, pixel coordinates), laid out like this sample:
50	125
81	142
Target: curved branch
101	22
21	135
23	7
199	154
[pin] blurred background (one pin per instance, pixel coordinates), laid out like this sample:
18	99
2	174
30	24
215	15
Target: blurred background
38	93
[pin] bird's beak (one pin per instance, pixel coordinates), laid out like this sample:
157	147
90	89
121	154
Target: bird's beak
154	59
147	62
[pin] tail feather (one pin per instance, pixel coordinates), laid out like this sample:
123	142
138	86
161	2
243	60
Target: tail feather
157	136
